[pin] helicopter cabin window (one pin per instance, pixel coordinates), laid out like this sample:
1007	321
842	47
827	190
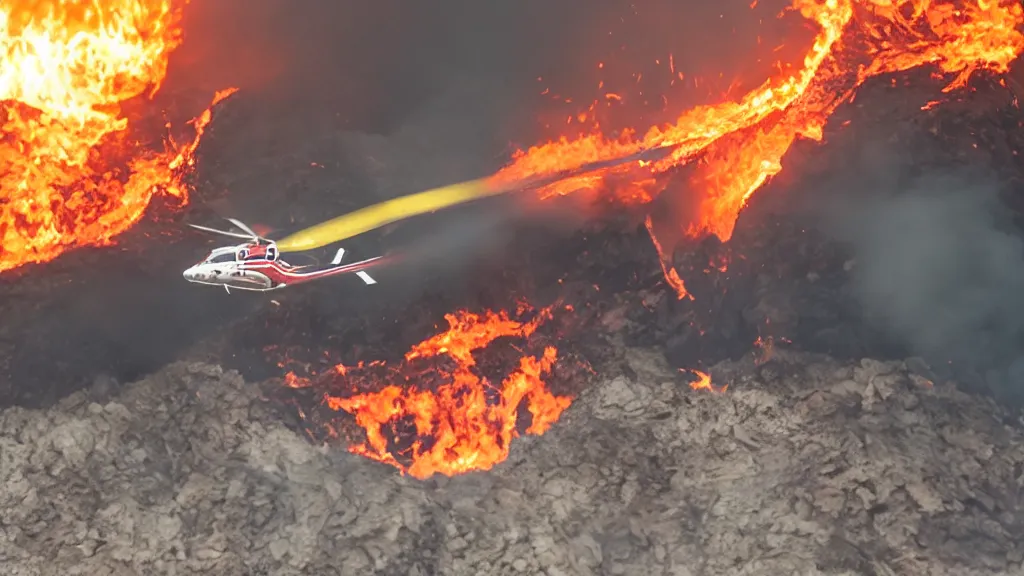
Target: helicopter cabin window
271	253
242	254
222	258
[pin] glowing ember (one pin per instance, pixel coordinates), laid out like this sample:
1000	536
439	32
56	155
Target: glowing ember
465	423
742	142
69	174
671	276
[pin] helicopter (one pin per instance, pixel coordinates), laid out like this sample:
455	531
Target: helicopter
256	265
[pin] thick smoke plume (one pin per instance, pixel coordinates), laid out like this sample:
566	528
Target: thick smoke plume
940	268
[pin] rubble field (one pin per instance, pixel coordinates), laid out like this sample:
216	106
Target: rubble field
804	465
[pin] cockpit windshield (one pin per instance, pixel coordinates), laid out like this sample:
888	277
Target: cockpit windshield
222	258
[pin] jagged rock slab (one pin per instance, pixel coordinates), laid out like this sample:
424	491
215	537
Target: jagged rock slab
803	466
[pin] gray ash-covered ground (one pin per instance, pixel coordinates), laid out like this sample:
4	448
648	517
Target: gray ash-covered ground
805	465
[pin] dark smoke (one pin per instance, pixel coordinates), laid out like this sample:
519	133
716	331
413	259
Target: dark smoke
378	61
441	93
938	266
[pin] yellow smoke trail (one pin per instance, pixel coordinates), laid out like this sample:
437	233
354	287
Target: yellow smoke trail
384	213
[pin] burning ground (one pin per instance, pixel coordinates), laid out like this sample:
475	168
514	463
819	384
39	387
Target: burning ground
610	420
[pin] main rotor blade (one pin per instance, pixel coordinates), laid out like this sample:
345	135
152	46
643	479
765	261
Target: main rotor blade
241	226
222	232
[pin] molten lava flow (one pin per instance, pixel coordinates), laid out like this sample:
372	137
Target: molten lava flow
69	174
742	142
466	422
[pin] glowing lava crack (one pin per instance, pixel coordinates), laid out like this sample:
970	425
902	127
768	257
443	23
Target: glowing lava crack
464	423
70	175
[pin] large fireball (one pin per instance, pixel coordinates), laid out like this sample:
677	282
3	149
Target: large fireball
70	173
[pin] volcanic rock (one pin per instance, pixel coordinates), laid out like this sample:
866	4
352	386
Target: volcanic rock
805	465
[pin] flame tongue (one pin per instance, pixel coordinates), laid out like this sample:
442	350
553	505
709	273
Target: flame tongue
69	176
467	423
742	143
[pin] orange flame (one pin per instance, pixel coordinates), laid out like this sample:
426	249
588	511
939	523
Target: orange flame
69	175
703	382
742	142
466	423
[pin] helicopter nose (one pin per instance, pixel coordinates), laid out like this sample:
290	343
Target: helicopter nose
189	274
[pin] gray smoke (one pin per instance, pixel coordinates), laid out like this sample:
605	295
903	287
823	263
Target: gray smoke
455	137
939	267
